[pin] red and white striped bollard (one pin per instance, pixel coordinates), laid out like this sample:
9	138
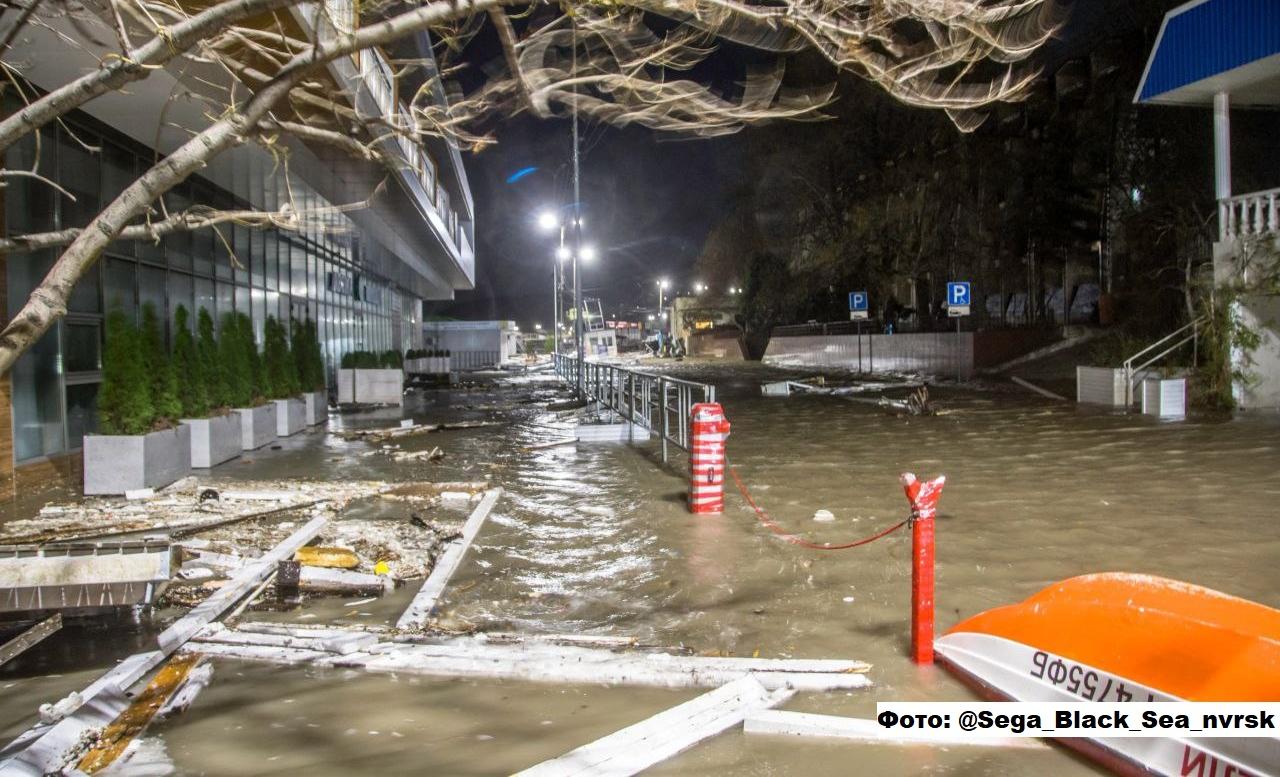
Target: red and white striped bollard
708	432
923	496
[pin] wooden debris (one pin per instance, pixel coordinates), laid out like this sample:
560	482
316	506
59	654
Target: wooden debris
385	433
324	580
29	638
865	730
435	454
46	748
638	747
533	661
419	610
138	715
333	558
1044	392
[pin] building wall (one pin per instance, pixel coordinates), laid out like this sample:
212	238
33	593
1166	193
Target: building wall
937	353
337	276
1261	391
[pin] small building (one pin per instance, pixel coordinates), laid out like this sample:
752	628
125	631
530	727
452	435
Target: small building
1220	55
473	345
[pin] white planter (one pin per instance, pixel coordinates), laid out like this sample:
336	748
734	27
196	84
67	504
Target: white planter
116	463
291	416
214	440
1100	386
317	407
371	387
257	426
1164	398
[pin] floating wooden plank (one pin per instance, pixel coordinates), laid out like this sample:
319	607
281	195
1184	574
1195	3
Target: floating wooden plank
1026	384
419	610
138	715
46	748
533	662
638	747
29	638
806	724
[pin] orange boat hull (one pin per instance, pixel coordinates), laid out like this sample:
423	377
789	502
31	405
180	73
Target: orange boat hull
1121	637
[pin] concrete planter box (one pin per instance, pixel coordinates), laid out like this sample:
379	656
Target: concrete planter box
1100	386
116	463
1165	398
317	407
291	416
428	365
257	426
214	440
371	387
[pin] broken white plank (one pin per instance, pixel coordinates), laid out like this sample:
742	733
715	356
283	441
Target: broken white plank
807	724
534	663
636	748
29	638
46	748
419	610
1026	384
341	580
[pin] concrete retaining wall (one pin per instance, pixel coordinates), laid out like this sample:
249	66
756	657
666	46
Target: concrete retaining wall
937	353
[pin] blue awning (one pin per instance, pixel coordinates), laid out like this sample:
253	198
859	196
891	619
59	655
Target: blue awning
1211	46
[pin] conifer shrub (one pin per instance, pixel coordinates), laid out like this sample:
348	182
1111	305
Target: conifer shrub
210	357
188	367
237	367
305	343
392	360
164	383
124	401
279	368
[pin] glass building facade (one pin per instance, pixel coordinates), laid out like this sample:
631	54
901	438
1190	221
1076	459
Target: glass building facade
331	272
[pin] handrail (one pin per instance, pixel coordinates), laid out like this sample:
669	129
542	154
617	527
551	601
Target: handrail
1249	214
656	402
1130	370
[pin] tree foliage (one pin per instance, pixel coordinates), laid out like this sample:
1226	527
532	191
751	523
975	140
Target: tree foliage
209	355
237	353
193	382
308	360
124	401
280	371
159	368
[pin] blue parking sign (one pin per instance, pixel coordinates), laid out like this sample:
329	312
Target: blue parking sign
958	294
857	300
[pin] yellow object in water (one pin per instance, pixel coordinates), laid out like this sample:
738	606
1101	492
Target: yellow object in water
333	558
381	568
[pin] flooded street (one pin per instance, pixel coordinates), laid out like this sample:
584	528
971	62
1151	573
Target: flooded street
597	540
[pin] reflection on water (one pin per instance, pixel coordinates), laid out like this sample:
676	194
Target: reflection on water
598	540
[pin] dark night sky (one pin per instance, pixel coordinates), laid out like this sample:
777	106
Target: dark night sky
649	202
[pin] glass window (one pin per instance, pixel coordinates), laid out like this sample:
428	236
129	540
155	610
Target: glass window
254	256
82	347
239	237
86	295
205	300
82	412
37	400
269	255
78	174
226	298
181	292
151	291
119	285
178	244
30	206
299	270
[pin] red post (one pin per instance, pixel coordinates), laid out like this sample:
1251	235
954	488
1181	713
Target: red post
923	497
709	430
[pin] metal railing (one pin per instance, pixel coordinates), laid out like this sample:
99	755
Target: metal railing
660	404
1131	371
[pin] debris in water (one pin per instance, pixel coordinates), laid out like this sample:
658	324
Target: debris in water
824	516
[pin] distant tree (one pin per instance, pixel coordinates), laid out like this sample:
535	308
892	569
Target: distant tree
193	384
124	401
164	383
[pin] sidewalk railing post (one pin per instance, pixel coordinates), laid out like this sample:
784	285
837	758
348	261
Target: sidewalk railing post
923	496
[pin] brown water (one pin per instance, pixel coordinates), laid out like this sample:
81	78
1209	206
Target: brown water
598	540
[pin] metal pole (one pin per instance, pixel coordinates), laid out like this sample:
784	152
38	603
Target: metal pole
577	222
555	304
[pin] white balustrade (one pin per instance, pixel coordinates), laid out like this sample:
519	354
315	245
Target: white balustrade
1249	214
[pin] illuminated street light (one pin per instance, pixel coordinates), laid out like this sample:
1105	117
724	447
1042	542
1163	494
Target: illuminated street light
563	253
699	287
587	254
650	316
537	327
547	221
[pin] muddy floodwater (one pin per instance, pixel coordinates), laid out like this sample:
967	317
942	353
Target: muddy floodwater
597	540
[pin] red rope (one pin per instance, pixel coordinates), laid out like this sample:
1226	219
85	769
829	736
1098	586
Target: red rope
793	539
